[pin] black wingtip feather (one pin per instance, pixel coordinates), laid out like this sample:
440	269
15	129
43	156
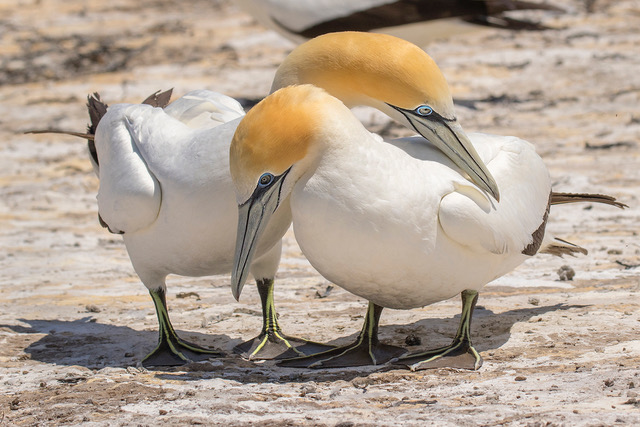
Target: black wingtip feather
159	99
560	198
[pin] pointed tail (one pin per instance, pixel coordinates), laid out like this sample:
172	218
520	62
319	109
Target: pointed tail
561	198
97	109
559	247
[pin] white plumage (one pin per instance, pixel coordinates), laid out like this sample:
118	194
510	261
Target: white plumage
165	184
396	223
405	231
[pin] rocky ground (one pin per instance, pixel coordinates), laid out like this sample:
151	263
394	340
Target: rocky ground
75	321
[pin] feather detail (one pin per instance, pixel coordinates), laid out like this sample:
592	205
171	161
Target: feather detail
159	99
561	198
560	247
97	109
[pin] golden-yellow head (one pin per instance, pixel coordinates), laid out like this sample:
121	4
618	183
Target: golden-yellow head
358	67
273	136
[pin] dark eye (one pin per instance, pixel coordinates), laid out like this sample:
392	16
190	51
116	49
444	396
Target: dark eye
265	180
424	110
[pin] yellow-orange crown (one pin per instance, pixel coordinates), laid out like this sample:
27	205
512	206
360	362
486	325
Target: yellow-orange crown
354	65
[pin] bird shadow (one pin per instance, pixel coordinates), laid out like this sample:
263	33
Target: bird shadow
489	330
86	342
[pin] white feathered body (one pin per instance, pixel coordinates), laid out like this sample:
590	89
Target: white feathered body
165	182
405	231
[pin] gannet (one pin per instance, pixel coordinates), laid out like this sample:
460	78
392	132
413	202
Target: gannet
165	186
396	223
420	21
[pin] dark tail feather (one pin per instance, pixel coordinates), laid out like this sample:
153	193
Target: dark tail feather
97	109
62	132
561	247
561	198
159	99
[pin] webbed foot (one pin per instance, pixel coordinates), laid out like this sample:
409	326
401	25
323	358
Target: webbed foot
460	355
176	352
272	343
171	349
359	353
275	345
367	350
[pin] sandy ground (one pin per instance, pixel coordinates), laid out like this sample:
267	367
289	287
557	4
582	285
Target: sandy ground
75	321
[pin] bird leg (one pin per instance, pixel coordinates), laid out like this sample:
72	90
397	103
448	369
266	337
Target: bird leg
171	349
460	354
366	350
272	343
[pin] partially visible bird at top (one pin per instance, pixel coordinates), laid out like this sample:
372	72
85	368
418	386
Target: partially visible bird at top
418	21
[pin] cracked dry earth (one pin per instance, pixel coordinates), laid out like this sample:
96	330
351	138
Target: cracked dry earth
75	321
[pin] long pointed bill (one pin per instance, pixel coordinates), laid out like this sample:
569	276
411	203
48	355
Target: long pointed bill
449	137
253	217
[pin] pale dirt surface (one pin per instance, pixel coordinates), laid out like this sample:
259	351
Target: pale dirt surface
75	321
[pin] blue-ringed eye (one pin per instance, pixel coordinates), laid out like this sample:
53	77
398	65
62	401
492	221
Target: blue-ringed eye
424	110
265	180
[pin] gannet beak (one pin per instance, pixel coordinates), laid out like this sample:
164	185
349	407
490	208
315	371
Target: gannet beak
449	137
253	217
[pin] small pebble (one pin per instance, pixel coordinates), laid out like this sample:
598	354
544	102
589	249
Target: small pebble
92	308
162	412
520	378
534	301
306	389
412	340
566	273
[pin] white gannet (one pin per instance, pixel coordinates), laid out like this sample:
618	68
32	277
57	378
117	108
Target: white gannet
165	186
419	21
164	179
395	223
